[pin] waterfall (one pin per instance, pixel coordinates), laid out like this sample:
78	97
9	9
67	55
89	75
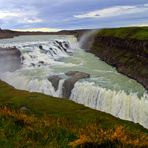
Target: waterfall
42	53
106	90
118	103
44	86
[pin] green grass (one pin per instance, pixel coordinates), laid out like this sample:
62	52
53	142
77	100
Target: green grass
139	33
65	120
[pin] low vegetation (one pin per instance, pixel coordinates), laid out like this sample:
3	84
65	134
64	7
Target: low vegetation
36	120
139	33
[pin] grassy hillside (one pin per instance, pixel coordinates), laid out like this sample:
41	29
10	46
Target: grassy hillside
36	120
139	33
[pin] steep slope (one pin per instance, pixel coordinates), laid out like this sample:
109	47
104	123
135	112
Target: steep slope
126	49
33	119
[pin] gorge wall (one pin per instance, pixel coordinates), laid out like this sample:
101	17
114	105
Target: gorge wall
10	59
128	55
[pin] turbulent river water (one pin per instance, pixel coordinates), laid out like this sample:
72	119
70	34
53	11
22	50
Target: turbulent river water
106	89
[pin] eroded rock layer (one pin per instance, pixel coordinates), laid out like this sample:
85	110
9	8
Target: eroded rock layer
129	56
10	59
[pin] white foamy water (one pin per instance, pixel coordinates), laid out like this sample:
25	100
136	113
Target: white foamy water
105	90
118	103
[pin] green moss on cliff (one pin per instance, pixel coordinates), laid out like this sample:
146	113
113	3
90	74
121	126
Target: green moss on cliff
140	33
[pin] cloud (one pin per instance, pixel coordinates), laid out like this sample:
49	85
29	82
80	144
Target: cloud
7	14
24	16
146	5
114	11
67	14
31	20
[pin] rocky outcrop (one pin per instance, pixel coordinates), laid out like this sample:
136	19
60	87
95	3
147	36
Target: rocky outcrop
10	59
24	109
6	34
55	81
138	47
5	52
129	56
69	83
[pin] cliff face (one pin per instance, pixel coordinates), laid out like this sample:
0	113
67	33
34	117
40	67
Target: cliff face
129	56
6	34
10	59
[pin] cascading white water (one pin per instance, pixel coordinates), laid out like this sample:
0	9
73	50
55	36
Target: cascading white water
35	54
45	87
117	103
106	90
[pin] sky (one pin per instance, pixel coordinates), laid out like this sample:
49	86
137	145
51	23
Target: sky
54	15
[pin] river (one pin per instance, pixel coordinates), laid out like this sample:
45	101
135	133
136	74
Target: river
106	89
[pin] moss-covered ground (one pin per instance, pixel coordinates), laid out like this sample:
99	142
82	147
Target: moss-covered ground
139	33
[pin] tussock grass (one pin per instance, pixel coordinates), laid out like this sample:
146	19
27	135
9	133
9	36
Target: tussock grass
18	129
